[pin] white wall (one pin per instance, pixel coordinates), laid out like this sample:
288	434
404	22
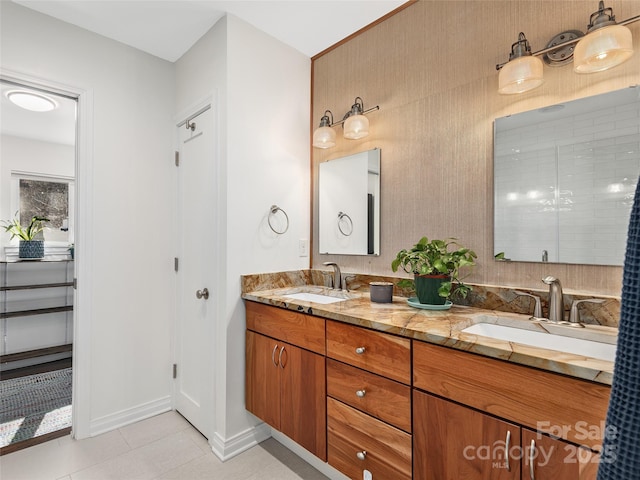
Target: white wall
33	156
262	89
268	163
128	363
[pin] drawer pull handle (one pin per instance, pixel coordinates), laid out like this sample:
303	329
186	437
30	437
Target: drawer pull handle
361	455
361	393
532	459
273	355
360	350
507	447
280	357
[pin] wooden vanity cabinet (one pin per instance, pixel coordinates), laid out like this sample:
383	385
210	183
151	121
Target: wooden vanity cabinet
285	380
551	458
369	404
452	442
468	402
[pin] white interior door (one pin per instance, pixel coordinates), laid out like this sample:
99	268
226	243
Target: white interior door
194	381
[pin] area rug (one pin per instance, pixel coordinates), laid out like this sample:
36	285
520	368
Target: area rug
34	405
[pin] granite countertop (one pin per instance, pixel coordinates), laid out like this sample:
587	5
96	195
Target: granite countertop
444	327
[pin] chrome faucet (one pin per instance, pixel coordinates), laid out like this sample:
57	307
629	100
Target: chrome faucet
556	304
537	308
337	275
574	315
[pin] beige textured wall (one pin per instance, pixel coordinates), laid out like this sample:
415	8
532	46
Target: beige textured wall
431	68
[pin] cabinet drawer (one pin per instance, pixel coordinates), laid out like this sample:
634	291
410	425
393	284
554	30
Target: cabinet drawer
350	433
567	407
385	399
298	329
377	352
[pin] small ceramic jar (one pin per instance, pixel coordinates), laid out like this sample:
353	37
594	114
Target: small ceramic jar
381	292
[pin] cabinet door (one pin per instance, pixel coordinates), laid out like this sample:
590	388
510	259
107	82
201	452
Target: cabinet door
262	380
303	395
555	459
453	442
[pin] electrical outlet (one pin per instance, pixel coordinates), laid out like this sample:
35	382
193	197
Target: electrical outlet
367	475
303	247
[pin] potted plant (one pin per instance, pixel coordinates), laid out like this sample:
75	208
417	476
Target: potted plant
29	246
435	269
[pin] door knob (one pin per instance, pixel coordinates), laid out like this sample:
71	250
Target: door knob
204	293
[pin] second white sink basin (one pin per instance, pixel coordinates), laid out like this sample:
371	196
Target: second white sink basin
314	297
550	341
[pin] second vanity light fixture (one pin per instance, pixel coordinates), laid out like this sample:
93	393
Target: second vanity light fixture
605	45
354	123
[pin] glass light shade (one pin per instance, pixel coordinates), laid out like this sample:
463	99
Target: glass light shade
520	75
324	137
31	101
356	126
602	49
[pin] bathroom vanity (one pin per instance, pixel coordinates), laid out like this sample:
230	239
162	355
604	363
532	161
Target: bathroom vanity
410	395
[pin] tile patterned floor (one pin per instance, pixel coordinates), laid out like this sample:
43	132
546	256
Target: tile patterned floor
165	447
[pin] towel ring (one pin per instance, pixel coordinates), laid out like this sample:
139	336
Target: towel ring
341	217
272	211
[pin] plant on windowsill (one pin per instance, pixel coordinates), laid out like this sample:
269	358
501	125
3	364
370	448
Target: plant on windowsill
31	244
435	268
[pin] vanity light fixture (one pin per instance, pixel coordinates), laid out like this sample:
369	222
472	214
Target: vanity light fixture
324	136
605	45
31	101
523	72
354	123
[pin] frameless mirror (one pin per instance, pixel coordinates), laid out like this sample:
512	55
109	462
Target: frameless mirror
349	204
565	178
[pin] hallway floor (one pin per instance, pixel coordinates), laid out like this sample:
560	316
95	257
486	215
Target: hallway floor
164	447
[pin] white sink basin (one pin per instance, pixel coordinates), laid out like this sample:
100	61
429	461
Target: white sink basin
550	341
314	297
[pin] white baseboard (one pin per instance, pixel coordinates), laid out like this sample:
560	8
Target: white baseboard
130	415
225	449
308	457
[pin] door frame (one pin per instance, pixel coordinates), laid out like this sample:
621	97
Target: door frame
209	398
83	264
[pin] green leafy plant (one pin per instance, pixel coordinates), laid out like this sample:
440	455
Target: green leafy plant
27	233
434	258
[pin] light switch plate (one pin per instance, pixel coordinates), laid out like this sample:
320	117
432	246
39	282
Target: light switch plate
303	247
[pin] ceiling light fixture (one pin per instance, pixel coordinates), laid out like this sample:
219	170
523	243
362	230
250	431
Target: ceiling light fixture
31	101
354	123
605	45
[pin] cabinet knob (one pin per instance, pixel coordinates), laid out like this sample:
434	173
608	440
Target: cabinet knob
361	455
360	350
361	393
